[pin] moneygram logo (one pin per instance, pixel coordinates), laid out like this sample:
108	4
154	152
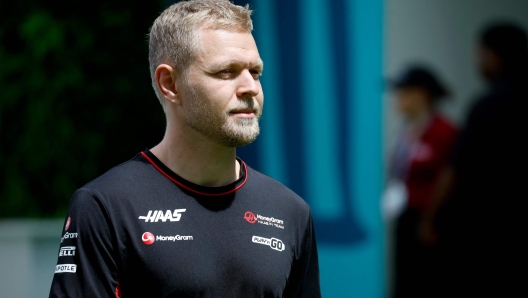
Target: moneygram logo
250	217
148	238
69	235
156	215
67	225
263	220
274	243
173	238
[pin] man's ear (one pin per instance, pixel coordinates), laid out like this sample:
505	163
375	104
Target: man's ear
166	77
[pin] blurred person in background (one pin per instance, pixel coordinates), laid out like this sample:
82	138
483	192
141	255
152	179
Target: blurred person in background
423	150
482	207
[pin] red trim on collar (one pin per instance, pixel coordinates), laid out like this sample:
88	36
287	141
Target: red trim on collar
193	190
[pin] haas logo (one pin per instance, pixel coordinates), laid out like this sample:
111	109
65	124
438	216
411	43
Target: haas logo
250	217
148	238
163	216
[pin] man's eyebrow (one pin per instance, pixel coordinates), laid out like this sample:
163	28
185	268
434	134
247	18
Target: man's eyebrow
227	64
259	64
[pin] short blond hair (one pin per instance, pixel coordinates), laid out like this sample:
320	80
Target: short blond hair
173	38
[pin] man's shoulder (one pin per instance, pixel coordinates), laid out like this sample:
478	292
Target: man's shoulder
123	176
274	189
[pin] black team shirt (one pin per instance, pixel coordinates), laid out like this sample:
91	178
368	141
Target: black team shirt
140	230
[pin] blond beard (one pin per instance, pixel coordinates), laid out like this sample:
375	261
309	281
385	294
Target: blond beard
218	125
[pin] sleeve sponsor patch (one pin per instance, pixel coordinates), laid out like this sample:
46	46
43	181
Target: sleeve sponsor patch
66	268
67	251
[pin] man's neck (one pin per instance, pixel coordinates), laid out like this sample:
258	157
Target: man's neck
198	159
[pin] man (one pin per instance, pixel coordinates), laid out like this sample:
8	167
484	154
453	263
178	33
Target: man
483	223
187	218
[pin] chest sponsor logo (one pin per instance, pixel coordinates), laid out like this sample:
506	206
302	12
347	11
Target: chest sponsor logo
69	235
274	243
263	220
67	225
157	215
250	217
148	238
68	268
67	251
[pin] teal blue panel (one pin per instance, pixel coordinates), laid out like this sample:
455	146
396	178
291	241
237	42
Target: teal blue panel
318	93
358	271
313	103
272	147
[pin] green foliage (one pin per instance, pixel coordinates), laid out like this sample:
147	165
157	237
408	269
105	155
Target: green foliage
75	98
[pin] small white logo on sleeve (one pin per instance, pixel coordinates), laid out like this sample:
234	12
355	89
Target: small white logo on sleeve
156	215
66	268
69	236
67	251
274	243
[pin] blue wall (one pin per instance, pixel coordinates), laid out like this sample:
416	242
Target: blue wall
321	129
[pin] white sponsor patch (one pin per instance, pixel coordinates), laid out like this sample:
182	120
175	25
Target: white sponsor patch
67	251
274	243
66	268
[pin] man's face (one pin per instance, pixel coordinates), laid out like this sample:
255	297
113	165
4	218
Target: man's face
222	97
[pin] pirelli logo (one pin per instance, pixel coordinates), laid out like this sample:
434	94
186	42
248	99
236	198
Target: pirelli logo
67	251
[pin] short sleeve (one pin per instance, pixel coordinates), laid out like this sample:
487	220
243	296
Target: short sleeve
86	265
304	276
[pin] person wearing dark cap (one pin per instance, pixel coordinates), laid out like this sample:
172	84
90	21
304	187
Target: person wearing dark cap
483	226
422	151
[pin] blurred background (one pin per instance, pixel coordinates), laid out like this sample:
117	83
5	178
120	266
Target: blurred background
76	100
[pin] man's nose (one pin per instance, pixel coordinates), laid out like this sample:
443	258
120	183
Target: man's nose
248	85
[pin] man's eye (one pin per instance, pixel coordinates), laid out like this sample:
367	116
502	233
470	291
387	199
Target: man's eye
256	74
225	73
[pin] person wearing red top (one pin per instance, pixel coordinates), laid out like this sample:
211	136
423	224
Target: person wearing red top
422	152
